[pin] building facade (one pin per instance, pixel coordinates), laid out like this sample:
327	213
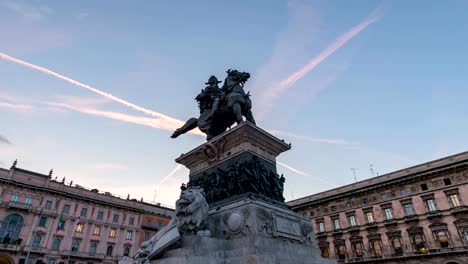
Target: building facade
49	221
151	224
415	215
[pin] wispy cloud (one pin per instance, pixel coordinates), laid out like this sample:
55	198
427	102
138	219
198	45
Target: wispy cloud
27	10
300	172
274	89
16	107
4	140
311	139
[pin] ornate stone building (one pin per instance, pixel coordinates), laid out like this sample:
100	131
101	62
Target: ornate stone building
151	223
415	215
49	221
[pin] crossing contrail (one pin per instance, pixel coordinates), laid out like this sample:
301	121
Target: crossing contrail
305	174
161	117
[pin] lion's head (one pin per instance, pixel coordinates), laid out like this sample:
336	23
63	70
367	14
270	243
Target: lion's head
191	210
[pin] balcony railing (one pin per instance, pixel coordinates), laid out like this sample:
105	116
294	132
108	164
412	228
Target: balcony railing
9	247
34	249
23	206
81	254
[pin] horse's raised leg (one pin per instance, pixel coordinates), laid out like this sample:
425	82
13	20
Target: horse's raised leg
236	108
189	125
249	116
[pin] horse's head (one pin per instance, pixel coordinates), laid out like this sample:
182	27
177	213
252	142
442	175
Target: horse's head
235	76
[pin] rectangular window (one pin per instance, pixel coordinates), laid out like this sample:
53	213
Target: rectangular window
112	232
424	187
97	230
28	200
116	218
66	209
100	215
50	261
431	205
383	196
352	220
148	222
61	225
79	228
319	212
321	227
403	192
388	213
349	205
365	200
48	205
333	208
369	217
131	220
336	223
42	221
84	212
14	198
129	235
408	209
454	200
447	181
147	235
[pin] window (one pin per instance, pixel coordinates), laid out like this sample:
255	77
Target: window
109	250
42	221
388	213
403	192
61	225
352	220
424	187
116	218
51	261
369	217
48	205
349	205
376	248
447	181
443	239
418	243
321	227
56	244
148	222
454	200
93	247
465	235
36	241
79	228
126	251
131	220
28	200
324	253
408	209
341	252
129	235
431	207
147	235
100	215
396	245
359	250
160	224
336	224
333	208
14	198
97	230
66	209
383	196
112	232
75	245
11	227
319	212
84	212
365	200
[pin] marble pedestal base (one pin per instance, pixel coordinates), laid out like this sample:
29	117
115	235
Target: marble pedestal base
248	231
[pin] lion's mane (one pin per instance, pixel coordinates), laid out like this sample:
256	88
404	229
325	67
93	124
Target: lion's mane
191	210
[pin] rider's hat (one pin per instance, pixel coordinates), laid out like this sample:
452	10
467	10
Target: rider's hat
212	79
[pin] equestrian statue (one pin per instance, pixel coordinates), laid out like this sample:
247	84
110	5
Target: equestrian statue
221	107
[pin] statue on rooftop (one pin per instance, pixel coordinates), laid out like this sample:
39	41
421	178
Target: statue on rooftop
221	107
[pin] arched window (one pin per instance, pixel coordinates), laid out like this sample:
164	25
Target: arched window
126	251
11	228
358	250
324	252
56	244
93	247
443	239
396	245
377	248
341	250
109	250
419	244
36	241
75	245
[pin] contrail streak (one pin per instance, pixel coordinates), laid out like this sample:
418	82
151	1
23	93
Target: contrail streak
305	174
311	139
166	118
170	174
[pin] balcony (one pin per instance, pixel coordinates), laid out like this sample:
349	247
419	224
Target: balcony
21	206
150	227
33	249
9	247
79	254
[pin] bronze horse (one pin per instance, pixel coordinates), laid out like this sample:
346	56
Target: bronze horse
234	103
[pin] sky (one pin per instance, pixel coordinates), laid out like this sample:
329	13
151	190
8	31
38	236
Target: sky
351	84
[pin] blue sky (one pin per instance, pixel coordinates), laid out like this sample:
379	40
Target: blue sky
392	93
